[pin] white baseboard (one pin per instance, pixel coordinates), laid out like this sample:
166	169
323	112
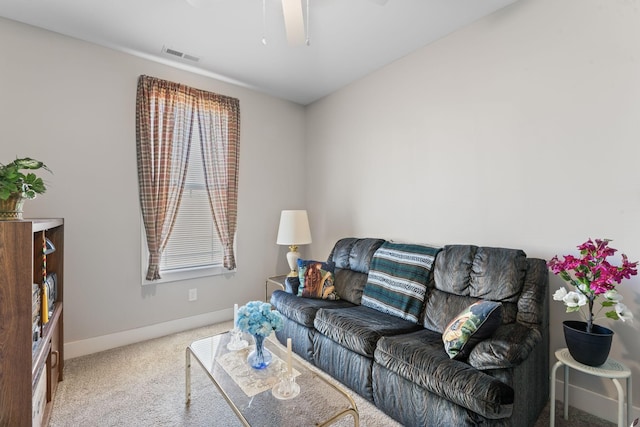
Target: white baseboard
118	339
601	406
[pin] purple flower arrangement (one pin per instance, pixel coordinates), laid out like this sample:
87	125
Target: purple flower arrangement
592	275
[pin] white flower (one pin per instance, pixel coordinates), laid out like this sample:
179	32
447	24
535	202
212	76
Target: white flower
574	299
623	312
613	295
560	294
584	288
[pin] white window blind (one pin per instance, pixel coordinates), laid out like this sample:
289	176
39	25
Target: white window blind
194	241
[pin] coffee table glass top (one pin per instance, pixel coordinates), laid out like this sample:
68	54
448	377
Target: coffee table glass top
249	391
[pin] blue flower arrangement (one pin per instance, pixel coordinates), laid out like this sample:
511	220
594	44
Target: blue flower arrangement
257	318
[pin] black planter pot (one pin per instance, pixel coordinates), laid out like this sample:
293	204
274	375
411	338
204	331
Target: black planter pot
589	348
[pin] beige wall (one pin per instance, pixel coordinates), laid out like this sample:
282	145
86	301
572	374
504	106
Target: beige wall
521	130
72	105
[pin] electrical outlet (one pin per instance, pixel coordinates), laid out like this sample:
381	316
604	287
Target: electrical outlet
193	294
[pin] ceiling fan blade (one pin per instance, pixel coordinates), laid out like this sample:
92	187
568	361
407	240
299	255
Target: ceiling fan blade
294	22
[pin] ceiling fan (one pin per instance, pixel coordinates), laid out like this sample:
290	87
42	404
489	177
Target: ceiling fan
294	19
297	33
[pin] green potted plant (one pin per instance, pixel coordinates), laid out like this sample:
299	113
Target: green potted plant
16	186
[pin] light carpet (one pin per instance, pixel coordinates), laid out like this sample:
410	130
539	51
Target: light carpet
143	384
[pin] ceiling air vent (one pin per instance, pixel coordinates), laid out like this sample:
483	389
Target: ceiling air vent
176	53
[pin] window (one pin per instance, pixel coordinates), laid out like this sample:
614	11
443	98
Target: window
187	148
194	241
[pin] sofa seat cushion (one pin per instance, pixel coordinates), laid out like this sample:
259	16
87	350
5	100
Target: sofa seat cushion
359	328
419	357
302	310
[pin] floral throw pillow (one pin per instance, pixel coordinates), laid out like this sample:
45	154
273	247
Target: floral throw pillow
317	279
475	323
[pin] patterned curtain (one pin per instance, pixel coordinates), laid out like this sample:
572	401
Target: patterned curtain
219	118
164	121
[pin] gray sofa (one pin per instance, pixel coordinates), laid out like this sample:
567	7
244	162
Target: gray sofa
402	367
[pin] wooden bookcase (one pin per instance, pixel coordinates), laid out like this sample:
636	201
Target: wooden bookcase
30	368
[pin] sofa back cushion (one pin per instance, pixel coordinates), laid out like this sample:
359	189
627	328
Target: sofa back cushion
354	254
398	277
464	274
349	285
352	258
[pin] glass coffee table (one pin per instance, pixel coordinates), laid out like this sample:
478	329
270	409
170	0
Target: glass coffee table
249	391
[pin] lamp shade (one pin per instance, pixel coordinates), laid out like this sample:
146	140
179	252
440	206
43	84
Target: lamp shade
294	228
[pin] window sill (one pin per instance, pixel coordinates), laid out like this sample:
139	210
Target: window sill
186	274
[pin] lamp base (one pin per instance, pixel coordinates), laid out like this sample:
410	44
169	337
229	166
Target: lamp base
292	259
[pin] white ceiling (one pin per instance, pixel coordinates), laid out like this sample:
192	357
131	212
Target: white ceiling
348	38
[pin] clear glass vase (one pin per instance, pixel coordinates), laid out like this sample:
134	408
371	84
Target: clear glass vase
260	357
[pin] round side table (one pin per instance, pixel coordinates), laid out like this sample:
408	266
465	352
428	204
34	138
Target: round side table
611	369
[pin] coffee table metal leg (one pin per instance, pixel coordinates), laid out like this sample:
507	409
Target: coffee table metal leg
188	353
351	411
187	373
356	417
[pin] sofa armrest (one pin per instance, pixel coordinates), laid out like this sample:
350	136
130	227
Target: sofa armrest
291	285
508	347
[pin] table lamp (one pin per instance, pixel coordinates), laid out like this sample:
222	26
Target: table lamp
293	231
